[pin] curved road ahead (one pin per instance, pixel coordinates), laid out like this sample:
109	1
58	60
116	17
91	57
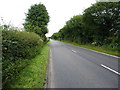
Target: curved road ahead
76	67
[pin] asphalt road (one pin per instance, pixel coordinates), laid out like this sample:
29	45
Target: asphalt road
76	67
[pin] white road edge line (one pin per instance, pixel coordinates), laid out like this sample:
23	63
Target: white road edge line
50	73
73	51
102	53
110	69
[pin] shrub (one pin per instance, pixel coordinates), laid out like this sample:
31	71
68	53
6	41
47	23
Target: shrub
18	47
20	44
11	70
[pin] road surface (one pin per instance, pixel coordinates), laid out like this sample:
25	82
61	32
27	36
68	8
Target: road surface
76	67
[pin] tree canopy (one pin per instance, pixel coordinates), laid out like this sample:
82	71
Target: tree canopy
37	19
99	24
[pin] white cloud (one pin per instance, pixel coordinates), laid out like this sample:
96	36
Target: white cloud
59	11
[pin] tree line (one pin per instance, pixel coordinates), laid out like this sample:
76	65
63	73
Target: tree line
99	25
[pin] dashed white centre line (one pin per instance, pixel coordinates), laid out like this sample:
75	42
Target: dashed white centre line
73	51
110	69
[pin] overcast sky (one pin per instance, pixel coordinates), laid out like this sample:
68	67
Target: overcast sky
60	11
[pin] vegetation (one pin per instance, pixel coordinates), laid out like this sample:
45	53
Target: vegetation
103	49
22	50
98	26
18	45
36	20
34	75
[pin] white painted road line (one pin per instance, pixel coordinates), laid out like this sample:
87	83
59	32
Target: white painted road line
110	69
51	73
102	53
73	51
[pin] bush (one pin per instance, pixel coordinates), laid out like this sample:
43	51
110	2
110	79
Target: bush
18	47
20	44
11	71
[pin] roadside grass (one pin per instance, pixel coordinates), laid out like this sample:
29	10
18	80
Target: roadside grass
34	75
96	48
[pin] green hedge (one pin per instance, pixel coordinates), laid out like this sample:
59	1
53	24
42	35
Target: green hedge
11	70
20	44
18	48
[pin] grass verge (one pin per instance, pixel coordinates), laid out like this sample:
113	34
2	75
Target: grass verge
96	48
34	75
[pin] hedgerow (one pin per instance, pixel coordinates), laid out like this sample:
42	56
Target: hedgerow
18	48
20	44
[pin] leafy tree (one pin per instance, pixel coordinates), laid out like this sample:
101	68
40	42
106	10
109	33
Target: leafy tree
99	25
55	36
37	19
103	19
